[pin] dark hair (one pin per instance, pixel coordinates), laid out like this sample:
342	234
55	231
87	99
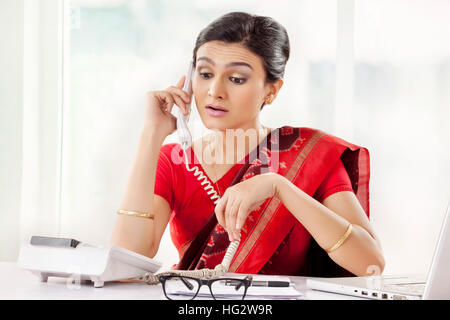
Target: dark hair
261	35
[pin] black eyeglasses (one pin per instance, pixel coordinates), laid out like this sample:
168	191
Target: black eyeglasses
178	287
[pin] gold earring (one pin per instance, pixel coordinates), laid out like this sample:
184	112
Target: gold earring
269	99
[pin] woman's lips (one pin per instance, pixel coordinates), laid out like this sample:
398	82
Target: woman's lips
215	113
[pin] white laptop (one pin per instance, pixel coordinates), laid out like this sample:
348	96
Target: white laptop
436	285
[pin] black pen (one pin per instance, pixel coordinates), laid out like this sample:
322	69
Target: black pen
270	283
256	283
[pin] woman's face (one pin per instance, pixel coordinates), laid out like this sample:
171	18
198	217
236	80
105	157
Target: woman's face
231	77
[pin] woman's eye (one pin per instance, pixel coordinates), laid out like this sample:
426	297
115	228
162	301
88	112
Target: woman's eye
240	80
204	75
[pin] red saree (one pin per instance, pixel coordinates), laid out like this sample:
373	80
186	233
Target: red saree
272	240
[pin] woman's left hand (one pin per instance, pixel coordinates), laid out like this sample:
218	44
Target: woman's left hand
241	199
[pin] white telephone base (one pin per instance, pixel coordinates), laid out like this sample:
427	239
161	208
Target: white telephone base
85	262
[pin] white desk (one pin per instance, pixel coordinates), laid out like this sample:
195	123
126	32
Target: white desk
16	283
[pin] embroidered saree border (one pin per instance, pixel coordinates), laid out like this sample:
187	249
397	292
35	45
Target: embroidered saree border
274	204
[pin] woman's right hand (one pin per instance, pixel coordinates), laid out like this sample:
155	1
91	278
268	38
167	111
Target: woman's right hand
160	104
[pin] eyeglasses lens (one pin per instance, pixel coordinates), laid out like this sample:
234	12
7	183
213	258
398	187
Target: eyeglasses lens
228	288
179	288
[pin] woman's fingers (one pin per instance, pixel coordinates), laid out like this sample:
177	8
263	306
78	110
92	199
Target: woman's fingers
159	105
166	100
220	210
181	98
230	216
180	103
179	89
183	94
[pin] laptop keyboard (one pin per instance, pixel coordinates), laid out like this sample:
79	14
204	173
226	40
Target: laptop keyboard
408	288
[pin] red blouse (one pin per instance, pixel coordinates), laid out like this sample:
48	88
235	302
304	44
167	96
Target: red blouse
185	194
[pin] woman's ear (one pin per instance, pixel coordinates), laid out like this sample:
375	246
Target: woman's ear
273	90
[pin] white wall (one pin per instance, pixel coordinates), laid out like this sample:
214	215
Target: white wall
11	101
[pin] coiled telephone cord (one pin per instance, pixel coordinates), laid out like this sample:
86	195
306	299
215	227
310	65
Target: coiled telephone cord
206	273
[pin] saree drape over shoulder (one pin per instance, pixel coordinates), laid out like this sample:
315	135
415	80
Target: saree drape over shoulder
272	240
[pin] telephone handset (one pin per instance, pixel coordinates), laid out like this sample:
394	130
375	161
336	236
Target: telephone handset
182	128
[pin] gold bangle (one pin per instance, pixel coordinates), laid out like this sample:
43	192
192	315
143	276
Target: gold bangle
342	240
147	215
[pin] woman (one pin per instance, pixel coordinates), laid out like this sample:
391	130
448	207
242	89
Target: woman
300	204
